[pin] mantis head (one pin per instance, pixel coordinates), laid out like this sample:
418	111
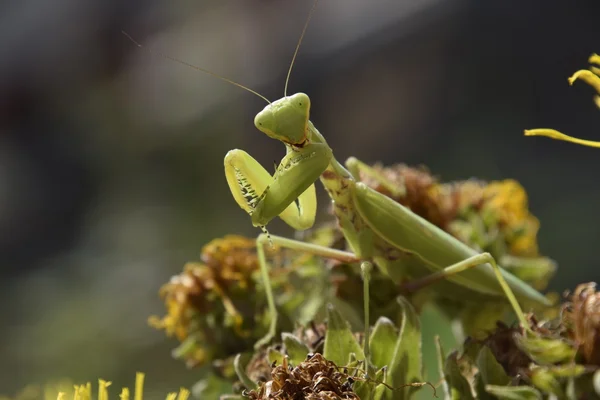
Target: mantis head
286	119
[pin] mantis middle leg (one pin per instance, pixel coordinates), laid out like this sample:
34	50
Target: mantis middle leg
322	251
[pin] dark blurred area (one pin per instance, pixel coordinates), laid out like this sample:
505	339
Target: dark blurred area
111	157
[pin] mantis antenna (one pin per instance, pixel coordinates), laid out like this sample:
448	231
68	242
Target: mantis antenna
287	79
198	69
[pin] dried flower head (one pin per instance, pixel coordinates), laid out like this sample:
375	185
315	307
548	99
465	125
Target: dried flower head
218	307
214	289
582	315
313	379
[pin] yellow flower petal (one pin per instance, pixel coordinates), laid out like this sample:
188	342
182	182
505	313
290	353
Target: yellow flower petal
84	392
554	134
124	394
592	77
588	77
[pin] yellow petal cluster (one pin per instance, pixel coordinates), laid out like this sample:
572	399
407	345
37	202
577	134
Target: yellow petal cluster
590	76
84	392
60	391
509	202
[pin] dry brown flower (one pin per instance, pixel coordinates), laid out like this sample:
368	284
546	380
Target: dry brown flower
506	351
582	314
313	379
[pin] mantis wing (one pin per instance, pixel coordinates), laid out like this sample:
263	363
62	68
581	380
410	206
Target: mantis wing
437	249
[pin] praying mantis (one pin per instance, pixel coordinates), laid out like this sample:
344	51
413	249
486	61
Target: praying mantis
380	232
409	249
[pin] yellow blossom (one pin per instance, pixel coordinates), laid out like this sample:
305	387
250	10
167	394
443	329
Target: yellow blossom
509	202
592	77
84	392
67	391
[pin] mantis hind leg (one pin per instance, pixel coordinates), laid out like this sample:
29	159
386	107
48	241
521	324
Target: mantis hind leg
471	262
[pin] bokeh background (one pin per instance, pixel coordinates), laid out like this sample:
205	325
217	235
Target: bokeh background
111	158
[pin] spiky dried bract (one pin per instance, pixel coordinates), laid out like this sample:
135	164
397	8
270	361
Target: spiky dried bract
582	315
313	379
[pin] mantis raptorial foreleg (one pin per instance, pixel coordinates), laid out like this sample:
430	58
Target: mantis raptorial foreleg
266	240
264	196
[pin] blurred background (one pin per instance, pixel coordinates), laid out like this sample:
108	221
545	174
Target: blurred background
111	158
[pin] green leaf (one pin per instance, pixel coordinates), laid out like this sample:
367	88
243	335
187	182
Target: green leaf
339	340
295	349
514	392
406	365
381	390
544	380
459	386
440	358
240	370
479	386
567	371
545	351
479	318
275	356
349	312
492	373
383	338
370	389
211	387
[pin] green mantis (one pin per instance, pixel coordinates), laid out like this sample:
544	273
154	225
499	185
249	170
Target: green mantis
413	252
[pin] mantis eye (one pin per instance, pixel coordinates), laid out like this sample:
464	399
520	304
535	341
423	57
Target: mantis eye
301	100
